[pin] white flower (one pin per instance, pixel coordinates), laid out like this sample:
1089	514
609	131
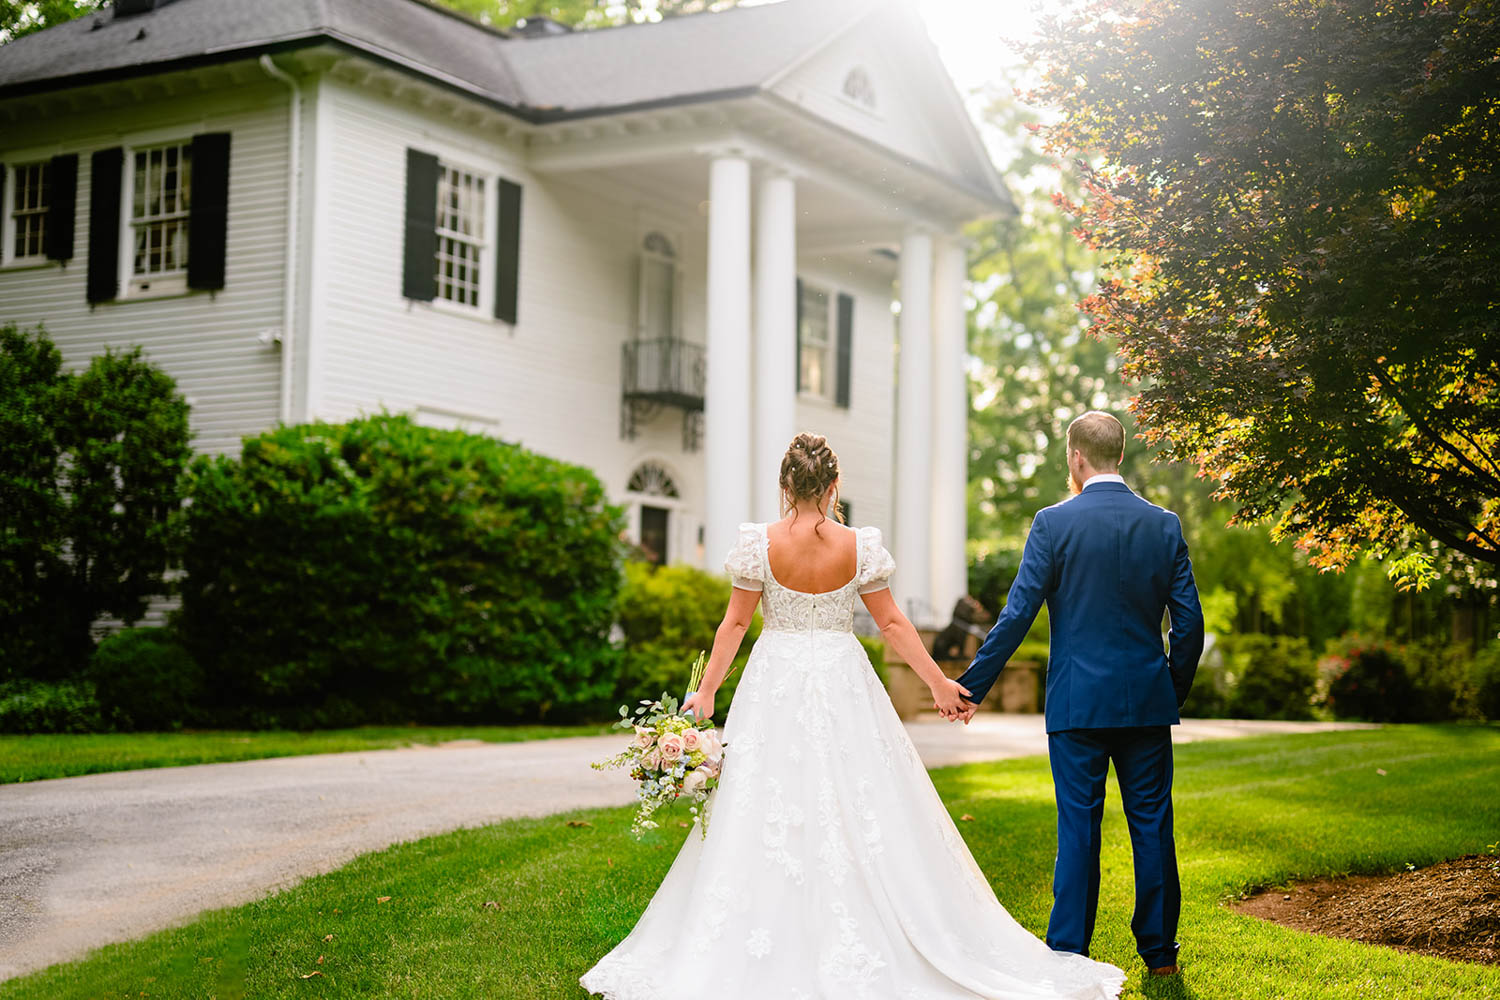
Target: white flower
695	781
712	748
758	944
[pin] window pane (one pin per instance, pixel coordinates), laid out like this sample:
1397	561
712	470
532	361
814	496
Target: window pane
658	292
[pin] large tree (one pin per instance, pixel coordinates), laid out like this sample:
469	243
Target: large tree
1300	207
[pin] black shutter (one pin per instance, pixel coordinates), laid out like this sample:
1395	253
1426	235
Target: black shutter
508	252
2	202
797	359
419	258
63	182
208	212
845	341
104	223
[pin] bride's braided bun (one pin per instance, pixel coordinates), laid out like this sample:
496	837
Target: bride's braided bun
808	469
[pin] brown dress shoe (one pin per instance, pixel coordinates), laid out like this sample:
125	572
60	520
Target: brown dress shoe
1165	970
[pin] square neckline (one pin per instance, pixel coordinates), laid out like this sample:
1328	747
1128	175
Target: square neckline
765	558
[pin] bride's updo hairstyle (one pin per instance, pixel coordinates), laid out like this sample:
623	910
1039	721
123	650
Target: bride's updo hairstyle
808	469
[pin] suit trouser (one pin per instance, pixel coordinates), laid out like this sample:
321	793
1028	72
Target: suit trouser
1143	767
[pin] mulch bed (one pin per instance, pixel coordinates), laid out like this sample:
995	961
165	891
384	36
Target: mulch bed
1450	909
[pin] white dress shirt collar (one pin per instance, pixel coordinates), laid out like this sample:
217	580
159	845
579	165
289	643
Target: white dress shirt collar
1104	477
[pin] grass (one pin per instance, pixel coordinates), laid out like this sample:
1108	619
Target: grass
1250	813
31	758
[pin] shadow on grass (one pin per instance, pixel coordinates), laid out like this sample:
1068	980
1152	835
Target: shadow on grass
1167	987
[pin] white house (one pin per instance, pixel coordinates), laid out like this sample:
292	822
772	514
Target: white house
657	250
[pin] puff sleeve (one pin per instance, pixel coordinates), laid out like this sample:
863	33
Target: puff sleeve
875	562
743	562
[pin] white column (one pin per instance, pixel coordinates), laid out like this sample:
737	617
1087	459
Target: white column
912	582
726	417
775	420
950	428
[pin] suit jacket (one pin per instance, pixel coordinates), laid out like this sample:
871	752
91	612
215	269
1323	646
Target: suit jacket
1108	564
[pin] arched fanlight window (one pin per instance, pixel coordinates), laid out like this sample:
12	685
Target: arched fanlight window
657	316
658	244
857	87
650	479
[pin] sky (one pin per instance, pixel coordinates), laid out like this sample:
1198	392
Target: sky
970	34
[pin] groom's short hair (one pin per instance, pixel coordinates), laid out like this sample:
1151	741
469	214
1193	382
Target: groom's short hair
1100	437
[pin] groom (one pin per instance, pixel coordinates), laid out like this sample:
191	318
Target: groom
1108	564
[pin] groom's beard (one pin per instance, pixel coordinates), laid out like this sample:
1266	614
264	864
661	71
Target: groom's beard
1074	486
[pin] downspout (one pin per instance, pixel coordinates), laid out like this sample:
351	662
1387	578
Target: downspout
294	185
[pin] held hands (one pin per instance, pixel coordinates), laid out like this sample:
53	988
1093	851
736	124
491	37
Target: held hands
700	703
948	699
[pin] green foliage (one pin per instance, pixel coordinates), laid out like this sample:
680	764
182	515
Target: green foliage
1299	207
90	476
581	13
1368	679
378	570
145	680
668	615
22	17
1485	679
31	706
1274	677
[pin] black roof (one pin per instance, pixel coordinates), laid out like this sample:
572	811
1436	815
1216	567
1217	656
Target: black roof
696	57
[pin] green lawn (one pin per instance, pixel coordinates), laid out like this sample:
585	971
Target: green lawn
1250	813
30	758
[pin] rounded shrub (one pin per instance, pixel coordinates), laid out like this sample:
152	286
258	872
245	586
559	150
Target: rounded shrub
382	571
1369	680
667	615
145	679
1272	677
1485	675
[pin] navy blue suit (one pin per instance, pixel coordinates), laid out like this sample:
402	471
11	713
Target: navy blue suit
1109	565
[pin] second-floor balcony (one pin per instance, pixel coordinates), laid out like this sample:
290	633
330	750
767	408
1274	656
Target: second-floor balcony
664	372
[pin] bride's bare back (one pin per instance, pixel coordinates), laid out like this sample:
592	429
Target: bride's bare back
810	554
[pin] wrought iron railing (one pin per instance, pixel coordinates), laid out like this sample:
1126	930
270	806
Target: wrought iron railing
662	372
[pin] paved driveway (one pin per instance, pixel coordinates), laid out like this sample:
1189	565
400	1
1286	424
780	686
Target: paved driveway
107	857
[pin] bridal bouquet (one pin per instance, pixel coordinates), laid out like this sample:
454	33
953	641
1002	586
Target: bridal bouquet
672	756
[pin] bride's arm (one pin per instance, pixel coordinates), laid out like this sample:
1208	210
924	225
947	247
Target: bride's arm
726	644
899	634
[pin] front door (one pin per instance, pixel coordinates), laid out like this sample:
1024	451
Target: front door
654	533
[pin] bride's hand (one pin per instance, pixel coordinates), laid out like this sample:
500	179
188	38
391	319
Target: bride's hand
948	696
700	703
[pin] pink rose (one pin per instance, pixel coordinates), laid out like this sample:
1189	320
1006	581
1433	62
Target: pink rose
651	759
643	737
691	740
670	745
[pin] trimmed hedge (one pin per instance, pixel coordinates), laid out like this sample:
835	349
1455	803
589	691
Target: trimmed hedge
145	679
382	571
29	706
668	614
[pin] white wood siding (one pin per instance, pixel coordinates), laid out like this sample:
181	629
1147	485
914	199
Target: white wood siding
552	383
207	343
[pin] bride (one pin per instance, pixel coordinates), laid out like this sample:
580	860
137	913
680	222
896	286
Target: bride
831	869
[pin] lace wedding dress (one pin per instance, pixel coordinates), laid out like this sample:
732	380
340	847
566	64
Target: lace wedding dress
831	869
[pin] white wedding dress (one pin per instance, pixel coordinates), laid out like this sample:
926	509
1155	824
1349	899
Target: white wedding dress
831	869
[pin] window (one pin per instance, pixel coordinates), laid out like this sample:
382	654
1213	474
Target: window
658	291
460	236
653	480
161	182
857	87
28	211
814	374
